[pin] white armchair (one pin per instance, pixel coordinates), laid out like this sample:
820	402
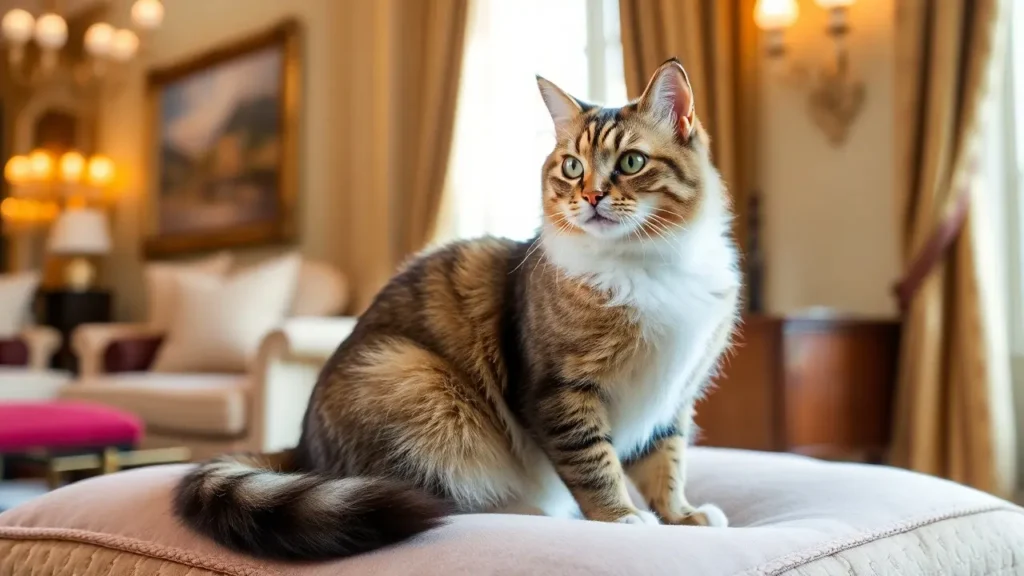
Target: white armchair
32	349
287	368
24	365
25	350
210	413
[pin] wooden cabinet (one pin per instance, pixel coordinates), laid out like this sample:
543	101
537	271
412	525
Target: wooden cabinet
822	387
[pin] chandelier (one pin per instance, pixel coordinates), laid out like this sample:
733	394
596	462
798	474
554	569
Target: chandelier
104	45
43	185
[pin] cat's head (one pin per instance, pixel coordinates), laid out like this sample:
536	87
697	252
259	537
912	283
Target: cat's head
632	173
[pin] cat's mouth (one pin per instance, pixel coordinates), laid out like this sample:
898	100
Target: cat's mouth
602	225
601	220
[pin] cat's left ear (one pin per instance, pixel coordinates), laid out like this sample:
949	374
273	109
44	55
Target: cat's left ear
563	107
669	97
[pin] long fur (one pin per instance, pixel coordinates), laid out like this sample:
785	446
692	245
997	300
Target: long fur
250	508
492	375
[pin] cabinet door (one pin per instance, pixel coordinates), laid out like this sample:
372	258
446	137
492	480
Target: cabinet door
742	409
839	380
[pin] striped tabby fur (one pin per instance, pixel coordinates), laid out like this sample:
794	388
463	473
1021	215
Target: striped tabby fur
493	375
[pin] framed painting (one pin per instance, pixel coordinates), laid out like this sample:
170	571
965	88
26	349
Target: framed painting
222	145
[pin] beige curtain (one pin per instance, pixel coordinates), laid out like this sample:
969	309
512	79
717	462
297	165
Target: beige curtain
952	395
395	74
428	60
717	43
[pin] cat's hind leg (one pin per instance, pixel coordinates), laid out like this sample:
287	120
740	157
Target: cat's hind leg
436	426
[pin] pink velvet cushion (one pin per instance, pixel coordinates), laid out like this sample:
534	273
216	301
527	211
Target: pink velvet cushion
28	425
792	515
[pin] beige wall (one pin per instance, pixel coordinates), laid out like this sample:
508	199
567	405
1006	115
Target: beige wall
831	213
193	26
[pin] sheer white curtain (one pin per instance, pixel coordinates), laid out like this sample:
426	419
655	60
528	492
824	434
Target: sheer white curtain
1004	167
503	131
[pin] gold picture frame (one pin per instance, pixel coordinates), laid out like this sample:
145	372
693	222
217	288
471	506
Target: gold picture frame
196	171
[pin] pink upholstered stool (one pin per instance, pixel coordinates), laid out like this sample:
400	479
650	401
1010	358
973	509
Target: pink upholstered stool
26	426
73	438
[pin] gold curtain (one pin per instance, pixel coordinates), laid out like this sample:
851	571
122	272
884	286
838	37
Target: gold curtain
948	401
395	77
716	41
429	60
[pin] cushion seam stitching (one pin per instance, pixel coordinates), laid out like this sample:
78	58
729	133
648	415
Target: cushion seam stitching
132	546
796	559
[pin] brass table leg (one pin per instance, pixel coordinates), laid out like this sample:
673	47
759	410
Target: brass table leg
111	461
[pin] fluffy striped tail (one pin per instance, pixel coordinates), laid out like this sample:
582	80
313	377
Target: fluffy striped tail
252	504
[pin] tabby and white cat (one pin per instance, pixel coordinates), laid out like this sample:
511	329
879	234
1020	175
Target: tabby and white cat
492	375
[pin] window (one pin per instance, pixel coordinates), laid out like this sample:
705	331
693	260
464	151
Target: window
1003	170
503	131
1007	139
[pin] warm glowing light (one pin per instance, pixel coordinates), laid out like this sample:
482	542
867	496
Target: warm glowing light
72	166
125	45
17	26
41	163
829	4
101	170
775	14
28	211
51	31
99	39
76	202
50	210
8	208
18	170
148	14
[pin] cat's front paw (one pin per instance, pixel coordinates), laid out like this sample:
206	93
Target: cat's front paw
639	517
706	515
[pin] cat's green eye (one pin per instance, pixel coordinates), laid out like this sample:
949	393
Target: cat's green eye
572	167
631	162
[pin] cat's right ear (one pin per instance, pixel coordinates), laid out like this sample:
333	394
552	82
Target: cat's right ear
563	107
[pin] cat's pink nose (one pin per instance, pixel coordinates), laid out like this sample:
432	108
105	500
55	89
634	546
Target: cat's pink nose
593	196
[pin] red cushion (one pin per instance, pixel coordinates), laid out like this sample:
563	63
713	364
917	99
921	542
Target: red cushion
131	354
13	352
28	425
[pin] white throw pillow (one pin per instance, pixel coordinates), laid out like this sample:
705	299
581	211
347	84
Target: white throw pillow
220	321
320	291
16	292
162	285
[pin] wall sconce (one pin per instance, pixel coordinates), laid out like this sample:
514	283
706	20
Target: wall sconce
836	97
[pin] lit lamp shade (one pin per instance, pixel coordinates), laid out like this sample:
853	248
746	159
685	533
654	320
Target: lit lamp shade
80	232
775	14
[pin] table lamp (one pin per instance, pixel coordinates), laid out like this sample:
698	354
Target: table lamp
80	233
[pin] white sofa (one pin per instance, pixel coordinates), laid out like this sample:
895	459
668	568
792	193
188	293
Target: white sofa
41	343
25	374
210	413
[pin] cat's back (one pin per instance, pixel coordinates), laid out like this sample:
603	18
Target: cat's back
420	368
448	299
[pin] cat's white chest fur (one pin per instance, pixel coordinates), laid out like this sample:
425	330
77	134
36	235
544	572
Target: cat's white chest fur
678	338
682	293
